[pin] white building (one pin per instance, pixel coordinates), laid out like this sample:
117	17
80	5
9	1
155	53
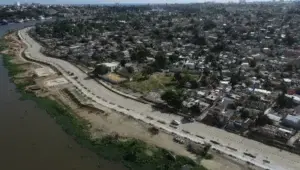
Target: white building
287	80
17	4
245	65
189	65
41	17
111	66
295	97
260	91
274	117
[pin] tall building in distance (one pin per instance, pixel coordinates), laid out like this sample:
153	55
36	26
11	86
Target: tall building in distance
17	4
242	1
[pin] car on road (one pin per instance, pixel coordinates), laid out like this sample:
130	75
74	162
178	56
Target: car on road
173	126
187	120
175	122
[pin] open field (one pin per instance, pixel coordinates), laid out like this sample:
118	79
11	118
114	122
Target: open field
154	82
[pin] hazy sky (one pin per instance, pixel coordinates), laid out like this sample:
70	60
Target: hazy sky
97	1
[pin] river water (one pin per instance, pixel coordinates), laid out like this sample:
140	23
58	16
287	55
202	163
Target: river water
31	140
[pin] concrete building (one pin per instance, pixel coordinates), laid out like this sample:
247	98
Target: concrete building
274	117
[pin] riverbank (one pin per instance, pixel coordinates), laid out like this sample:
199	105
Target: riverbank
133	153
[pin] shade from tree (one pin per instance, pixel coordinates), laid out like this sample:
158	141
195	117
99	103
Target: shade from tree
173	98
100	70
160	60
263	120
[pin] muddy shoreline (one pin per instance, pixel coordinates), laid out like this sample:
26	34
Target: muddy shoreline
31	139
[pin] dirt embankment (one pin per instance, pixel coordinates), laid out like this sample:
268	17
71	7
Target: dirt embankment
106	121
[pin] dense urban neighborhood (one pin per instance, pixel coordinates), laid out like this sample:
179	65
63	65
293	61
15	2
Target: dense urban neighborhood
230	66
235	67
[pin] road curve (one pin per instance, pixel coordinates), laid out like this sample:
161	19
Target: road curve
230	144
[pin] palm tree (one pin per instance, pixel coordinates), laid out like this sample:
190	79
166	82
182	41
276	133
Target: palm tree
79	57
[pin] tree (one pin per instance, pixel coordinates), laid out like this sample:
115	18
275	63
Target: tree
283	88
284	102
79	57
153	130
187	78
140	54
206	71
219	47
209	24
100	69
199	40
209	58
136	24
147	71
252	63
244	114
206	149
289	67
173	98
123	62
267	84
194	84
234	80
254	97
160	60
130	69
173	58
195	109
178	76
130	39
96	56
281	101
203	81
214	78
289	39
263	120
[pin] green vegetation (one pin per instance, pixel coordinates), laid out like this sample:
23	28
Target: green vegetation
263	120
208	156
101	69
140	54
14	69
284	102
134	154
173	98
160	60
183	78
3	45
154	82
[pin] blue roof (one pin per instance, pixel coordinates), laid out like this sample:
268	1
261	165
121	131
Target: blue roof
292	118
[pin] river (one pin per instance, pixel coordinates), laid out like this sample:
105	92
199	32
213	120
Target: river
31	140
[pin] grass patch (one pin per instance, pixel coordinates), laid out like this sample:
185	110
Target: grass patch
134	154
13	69
154	82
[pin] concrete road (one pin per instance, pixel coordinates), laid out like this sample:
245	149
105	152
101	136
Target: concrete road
229	143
